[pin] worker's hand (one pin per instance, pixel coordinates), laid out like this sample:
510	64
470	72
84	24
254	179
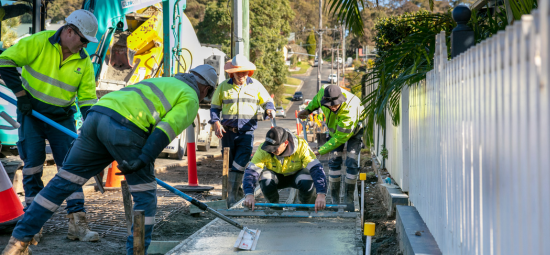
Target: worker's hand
219	130
316	152
132	166
320	202
269	113
249	201
303	114
24	105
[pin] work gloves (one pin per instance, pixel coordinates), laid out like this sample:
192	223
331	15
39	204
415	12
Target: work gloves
24	105
132	166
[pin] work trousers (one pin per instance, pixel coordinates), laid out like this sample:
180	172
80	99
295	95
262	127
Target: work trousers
271	182
352	155
32	150
101	141
240	148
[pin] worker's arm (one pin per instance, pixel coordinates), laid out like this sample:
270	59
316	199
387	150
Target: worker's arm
315	103
86	90
311	163
20	54
216	105
253	170
344	131
265	100
174	122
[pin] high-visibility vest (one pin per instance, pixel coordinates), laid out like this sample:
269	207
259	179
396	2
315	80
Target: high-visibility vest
166	103
49	78
343	124
302	158
240	102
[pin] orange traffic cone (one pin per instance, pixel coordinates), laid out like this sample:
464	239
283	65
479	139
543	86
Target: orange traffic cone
113	180
9	202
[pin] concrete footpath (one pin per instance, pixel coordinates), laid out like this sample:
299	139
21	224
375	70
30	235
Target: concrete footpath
278	236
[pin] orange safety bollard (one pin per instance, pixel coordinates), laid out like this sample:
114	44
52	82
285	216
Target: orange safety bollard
298	126
113	180
12	208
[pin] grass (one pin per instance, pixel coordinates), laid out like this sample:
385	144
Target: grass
290	90
303	68
292	81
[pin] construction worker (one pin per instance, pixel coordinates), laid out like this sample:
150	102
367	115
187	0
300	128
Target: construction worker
132	126
282	161
233	113
56	71
343	119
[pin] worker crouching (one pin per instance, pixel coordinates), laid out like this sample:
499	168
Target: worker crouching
132	126
283	161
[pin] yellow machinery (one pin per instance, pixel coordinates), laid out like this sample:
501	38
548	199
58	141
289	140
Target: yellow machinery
134	54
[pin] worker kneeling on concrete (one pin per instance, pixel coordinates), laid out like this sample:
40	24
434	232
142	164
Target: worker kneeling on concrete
132	126
282	161
343	110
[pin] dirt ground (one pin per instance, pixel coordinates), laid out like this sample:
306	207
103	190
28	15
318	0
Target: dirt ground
385	238
176	227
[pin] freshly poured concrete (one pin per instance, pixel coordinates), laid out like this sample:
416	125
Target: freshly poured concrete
278	236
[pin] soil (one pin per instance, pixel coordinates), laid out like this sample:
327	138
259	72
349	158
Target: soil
385	238
176	227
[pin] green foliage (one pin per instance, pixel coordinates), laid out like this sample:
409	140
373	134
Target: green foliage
311	45
520	7
349	12
8	35
269	25
293	60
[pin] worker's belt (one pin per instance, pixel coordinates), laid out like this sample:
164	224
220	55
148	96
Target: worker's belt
232	129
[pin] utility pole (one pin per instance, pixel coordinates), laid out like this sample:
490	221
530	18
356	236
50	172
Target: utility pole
240	37
343	33
338	66
332	61
320	54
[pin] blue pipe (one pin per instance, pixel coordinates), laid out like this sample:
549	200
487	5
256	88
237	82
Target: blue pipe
193	201
295	205
42	117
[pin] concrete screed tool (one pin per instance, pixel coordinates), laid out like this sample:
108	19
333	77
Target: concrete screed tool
247	239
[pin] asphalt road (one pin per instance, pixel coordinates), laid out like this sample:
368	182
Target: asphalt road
309	89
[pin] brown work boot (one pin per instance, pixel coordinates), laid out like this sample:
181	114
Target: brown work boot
16	247
78	228
38	236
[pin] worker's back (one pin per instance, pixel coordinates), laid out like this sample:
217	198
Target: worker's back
157	101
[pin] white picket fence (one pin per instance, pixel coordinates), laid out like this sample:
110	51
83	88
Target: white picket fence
476	158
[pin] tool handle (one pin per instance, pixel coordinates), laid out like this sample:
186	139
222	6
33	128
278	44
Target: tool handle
198	204
42	117
7	117
296	205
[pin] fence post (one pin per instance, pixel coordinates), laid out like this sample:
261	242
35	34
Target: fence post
139	232
462	36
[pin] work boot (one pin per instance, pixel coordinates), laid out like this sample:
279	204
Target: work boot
350	189
273	198
307	197
335	192
16	247
235	182
78	228
38	236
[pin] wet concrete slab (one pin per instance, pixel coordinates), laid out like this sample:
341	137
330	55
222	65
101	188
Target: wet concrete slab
278	236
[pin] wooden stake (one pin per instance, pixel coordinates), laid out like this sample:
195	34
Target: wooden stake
225	172
139	232
127	201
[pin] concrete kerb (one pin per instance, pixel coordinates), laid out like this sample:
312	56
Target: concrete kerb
413	234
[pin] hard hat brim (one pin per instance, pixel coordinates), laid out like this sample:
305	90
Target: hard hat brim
91	39
237	69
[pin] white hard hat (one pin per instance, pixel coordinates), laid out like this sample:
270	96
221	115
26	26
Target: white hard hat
239	63
86	22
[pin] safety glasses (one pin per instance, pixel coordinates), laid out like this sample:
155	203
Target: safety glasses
83	39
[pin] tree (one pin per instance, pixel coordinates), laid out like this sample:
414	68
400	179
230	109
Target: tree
269	28
311	46
8	35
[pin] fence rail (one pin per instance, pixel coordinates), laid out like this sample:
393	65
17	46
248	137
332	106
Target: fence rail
473	145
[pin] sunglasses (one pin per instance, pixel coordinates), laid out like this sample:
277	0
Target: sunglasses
83	39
